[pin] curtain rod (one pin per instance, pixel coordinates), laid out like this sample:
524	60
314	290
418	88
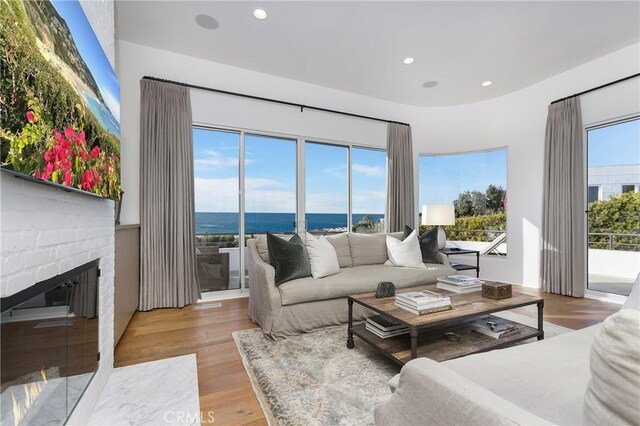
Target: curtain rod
276	101
584	92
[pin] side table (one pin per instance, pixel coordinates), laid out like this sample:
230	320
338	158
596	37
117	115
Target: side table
463	266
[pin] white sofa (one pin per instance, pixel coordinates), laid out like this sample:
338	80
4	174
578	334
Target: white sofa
537	383
306	304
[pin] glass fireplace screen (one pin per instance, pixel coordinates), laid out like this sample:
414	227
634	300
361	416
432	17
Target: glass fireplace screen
49	347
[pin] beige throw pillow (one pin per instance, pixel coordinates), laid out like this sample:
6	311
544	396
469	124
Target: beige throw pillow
340	243
368	249
613	394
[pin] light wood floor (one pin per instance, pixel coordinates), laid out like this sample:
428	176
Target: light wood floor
223	384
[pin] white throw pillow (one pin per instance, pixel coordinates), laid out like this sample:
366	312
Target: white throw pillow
405	253
322	256
613	394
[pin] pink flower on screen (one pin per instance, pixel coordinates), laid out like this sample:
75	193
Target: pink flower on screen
95	152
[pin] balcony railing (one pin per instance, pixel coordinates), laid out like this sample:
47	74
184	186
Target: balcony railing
614	241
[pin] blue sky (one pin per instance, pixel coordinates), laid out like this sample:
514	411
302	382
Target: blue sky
615	144
92	53
443	177
270	170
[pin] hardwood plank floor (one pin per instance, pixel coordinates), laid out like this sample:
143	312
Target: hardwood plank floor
224	386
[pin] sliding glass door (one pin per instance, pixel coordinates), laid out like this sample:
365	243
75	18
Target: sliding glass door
247	184
368	189
613	198
326	188
216	155
270	169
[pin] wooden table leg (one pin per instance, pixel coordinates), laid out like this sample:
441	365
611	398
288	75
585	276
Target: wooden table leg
540	319
414	343
350	328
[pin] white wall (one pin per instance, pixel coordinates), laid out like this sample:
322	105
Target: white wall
136	61
516	121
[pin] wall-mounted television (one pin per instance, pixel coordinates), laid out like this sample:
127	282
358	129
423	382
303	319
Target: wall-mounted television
60	99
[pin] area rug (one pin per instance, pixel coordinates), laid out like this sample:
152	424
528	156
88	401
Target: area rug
313	379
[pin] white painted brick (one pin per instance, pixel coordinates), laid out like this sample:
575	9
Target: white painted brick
45	232
12	264
48	238
47	271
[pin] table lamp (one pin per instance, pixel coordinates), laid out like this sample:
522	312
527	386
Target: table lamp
439	215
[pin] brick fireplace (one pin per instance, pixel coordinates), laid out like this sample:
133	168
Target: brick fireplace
45	232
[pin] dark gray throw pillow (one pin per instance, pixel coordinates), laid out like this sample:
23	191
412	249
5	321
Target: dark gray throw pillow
428	244
288	258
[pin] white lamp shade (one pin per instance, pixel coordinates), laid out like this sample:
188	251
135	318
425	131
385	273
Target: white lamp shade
438	214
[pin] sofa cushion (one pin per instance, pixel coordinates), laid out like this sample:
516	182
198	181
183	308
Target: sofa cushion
368	249
406	252
263	248
322	256
359	279
547	378
428	244
340	243
613	394
289	258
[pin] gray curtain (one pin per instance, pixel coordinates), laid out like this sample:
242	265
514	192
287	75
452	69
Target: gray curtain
167	241
401	208
563	205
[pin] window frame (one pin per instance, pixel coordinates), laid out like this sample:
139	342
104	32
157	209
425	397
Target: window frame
300	213
477	151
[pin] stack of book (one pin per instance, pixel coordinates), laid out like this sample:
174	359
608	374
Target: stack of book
494	327
385	327
423	302
460	283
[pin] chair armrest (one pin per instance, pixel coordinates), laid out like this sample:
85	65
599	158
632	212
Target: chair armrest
429	393
264	297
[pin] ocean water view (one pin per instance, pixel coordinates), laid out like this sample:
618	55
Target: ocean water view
258	223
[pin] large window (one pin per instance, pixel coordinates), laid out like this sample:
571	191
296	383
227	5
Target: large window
613	157
368	189
476	184
246	184
327	187
216	164
270	185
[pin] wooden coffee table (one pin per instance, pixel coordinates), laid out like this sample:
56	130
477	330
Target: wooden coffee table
426	332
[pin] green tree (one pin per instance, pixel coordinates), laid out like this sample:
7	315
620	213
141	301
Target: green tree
470	203
495	199
617	215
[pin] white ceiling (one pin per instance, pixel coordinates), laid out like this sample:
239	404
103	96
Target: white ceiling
359	46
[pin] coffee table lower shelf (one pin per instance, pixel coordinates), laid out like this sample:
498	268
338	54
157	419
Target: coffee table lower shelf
434	345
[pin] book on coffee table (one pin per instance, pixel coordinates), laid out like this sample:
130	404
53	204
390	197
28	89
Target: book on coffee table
495	327
461	289
422	302
425	311
385	327
460	280
384	323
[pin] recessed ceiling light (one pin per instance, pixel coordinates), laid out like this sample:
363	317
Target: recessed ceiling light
429	84
487	83
408	61
260	14
207	22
